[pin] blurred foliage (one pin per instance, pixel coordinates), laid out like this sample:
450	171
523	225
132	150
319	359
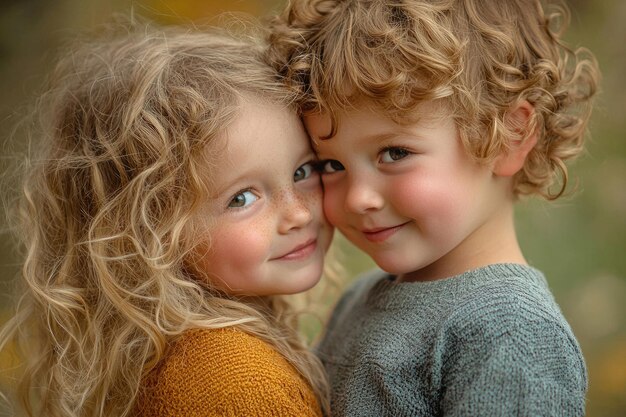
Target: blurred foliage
579	242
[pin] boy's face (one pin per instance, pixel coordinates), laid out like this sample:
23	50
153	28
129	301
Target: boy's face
410	196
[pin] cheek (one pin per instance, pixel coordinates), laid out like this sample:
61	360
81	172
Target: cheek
313	201
432	198
333	205
236	248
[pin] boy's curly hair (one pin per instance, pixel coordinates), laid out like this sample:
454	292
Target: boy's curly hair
480	57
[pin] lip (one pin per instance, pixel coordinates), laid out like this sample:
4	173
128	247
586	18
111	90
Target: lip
300	252
380	234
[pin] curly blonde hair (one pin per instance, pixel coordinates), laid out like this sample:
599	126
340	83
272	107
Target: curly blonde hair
479	57
106	212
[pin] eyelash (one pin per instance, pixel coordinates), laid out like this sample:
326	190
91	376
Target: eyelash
405	153
322	166
312	168
238	193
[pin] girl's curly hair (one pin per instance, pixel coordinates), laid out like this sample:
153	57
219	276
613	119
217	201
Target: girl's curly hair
118	168
479	57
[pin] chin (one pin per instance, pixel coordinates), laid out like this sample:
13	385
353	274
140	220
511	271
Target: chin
392	266
313	281
308	281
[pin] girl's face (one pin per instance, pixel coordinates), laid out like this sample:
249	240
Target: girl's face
264	229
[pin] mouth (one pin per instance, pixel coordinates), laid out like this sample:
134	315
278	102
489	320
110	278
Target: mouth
300	252
380	234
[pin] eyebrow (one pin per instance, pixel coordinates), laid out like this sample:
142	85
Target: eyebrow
382	136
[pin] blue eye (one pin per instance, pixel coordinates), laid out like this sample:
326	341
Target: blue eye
242	199
393	154
303	172
332	165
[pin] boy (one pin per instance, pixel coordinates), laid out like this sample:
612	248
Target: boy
431	118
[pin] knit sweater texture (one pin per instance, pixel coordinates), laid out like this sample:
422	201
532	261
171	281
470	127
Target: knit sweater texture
225	372
489	342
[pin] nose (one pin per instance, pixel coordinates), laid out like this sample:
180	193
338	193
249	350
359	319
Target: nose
296	211
362	196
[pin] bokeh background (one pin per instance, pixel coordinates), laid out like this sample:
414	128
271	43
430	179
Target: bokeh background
579	242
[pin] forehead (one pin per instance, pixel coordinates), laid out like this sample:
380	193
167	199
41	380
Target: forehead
350	130
366	116
264	139
326	130
361	128
319	126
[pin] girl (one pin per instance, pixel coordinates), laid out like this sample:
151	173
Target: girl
173	198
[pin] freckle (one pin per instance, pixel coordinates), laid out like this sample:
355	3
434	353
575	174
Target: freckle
283	198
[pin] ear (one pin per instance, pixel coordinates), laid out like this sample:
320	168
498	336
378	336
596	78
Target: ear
521	122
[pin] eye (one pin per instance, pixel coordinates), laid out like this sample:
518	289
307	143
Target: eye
393	154
303	172
242	199
332	165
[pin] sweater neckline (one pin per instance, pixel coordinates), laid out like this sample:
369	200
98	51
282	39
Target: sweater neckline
387	293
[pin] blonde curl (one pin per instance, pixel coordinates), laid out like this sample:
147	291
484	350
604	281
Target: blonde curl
117	171
479	57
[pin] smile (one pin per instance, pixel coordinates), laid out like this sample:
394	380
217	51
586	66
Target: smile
300	252
381	234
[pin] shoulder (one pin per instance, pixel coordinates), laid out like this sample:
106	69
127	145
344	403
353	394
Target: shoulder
227	369
515	321
506	349
516	296
218	353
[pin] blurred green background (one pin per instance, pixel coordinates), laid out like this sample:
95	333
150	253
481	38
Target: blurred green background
579	242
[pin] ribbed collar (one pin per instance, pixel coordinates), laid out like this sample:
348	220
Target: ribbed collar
386	293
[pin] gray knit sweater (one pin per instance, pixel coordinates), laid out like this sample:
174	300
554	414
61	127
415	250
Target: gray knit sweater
489	342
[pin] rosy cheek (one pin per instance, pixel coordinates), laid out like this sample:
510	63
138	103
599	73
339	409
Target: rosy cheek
430	198
333	206
409	192
238	245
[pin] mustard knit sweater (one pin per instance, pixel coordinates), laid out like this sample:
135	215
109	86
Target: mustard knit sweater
225	372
